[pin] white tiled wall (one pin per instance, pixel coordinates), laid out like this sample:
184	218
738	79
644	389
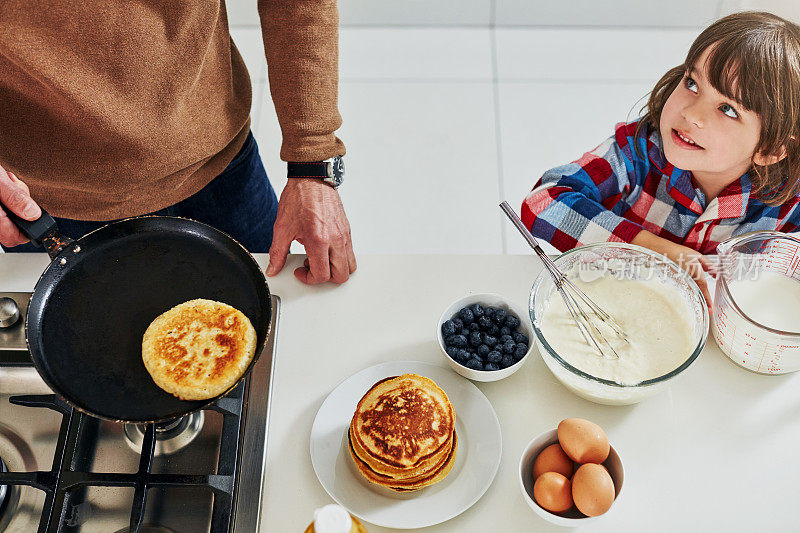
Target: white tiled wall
615	13
451	106
672	13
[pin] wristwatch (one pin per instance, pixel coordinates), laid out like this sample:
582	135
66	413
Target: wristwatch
330	171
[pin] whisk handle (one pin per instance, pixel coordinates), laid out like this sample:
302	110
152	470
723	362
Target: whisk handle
521	227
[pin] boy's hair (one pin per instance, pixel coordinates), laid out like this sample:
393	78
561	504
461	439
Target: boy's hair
754	59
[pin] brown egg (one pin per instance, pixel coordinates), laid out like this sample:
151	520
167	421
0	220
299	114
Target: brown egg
583	441
553	492
592	489
553	459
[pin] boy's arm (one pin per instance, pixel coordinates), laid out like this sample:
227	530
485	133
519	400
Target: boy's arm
571	205
692	261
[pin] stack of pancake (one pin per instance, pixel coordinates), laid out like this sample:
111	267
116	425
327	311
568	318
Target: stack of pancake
402	435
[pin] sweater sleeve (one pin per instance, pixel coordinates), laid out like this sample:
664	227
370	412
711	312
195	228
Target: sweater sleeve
301	44
573	204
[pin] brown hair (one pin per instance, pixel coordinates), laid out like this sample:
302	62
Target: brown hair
754	59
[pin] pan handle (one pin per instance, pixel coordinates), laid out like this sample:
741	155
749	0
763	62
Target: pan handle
43	231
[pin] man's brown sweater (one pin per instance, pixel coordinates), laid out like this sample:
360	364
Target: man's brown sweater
114	108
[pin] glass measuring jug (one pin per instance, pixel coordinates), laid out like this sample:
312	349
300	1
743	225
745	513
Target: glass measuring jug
748	343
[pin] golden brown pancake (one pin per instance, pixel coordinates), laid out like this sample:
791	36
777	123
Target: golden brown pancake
198	349
427	465
403	422
426	480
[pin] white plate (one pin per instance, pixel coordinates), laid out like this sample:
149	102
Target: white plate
477	457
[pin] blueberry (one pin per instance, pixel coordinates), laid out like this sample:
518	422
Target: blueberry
459	341
509	347
458	323
494	329
488	340
491	366
483	351
520	338
494	357
448	341
505	338
512	322
474	326
484	322
452	351
505	330
507	361
448	328
462	356
463	331
520	350
475	339
477	310
488	311
474	364
499	316
466	315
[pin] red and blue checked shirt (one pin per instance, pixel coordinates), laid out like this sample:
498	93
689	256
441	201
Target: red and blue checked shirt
614	192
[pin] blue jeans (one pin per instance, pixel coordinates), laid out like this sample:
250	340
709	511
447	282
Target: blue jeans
240	201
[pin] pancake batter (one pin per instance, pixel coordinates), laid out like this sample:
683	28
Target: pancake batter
654	315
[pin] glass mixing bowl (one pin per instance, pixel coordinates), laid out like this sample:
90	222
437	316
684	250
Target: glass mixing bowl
626	261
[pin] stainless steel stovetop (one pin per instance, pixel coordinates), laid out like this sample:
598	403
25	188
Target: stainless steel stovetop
77	473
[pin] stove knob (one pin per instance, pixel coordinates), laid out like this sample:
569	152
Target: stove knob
9	312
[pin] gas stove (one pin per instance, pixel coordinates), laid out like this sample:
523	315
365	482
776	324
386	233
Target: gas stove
64	471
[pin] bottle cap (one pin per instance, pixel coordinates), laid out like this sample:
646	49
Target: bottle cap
332	519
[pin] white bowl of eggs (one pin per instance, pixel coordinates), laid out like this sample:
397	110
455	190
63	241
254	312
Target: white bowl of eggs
571	476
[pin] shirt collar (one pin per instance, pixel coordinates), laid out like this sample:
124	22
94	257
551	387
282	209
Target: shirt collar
734	198
680	183
731	202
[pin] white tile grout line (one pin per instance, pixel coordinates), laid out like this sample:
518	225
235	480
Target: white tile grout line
497	129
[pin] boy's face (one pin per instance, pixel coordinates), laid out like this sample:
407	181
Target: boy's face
707	133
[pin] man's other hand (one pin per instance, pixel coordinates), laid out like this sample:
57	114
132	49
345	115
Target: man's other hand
311	213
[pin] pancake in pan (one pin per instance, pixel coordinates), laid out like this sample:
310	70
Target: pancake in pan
199	349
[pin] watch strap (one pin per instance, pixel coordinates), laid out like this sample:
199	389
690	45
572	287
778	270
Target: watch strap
315	169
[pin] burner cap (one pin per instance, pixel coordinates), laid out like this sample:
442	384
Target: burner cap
3	488
8	500
170	436
9	312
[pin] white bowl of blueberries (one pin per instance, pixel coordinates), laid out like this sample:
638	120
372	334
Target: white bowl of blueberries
484	338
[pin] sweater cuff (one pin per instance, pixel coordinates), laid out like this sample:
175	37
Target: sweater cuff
311	147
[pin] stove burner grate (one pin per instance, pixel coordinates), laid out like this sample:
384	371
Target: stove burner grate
69	475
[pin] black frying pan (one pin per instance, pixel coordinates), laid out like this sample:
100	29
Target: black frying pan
93	303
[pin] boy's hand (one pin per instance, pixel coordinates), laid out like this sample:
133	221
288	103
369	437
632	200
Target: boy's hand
692	261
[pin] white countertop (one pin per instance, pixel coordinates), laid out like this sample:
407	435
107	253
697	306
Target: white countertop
718	451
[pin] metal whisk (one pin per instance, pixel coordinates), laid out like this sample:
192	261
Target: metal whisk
573	296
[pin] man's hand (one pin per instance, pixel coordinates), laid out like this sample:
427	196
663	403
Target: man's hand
311	213
692	261
16	196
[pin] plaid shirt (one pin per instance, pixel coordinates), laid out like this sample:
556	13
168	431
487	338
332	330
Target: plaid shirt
612	193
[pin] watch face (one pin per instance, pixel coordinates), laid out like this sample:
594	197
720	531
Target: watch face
336	169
